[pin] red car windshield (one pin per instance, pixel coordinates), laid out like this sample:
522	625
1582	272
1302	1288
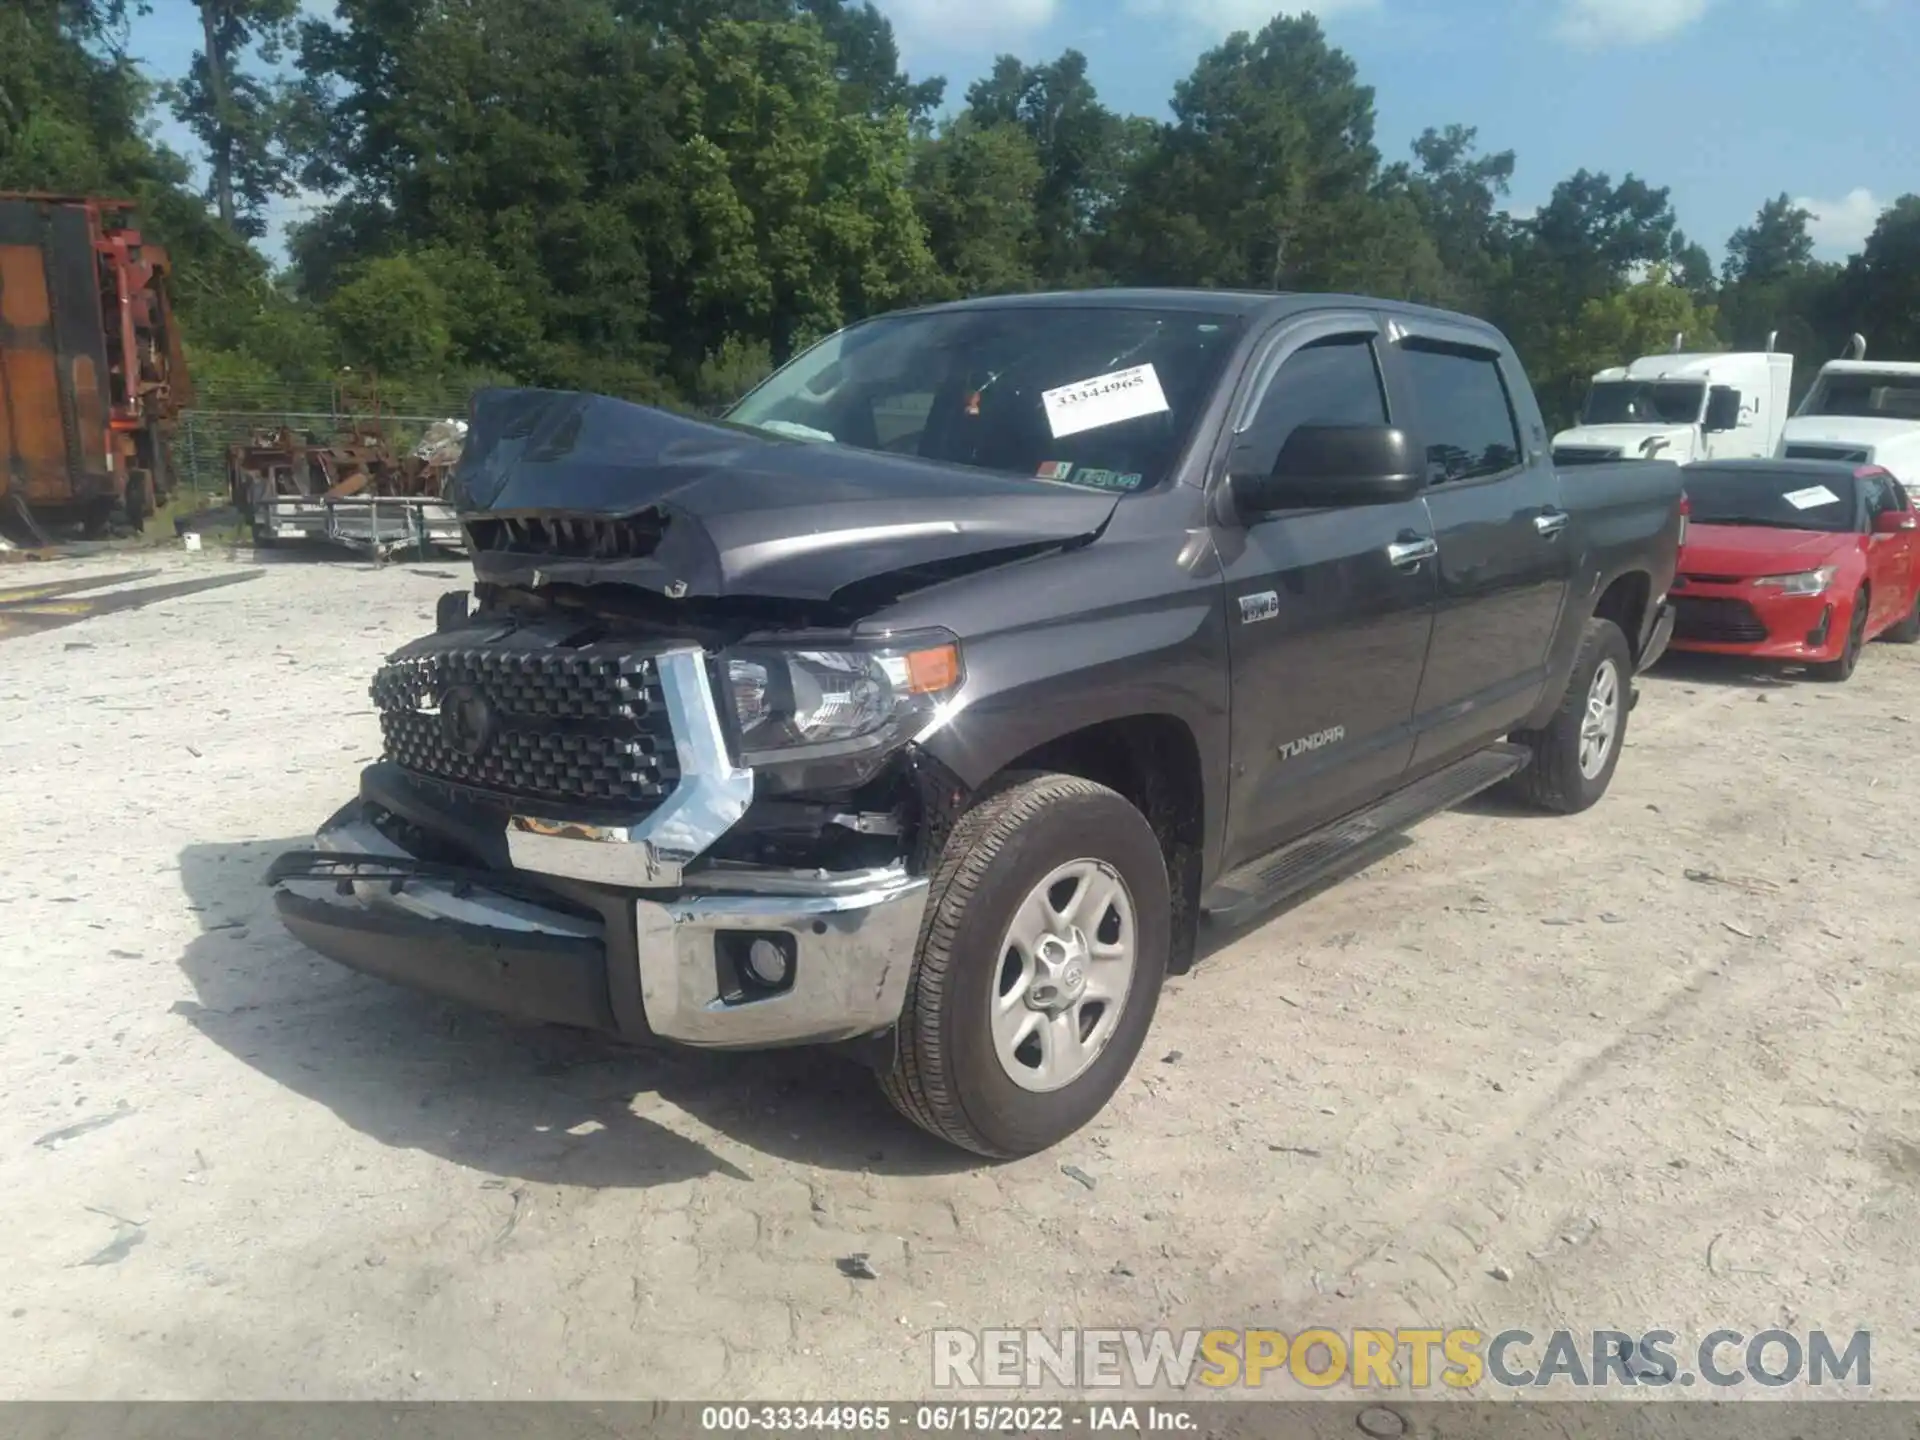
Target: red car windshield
1823	500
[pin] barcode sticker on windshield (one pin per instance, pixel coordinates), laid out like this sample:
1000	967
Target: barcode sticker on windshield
1104	400
1813	495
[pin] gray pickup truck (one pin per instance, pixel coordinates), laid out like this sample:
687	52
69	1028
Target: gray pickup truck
929	702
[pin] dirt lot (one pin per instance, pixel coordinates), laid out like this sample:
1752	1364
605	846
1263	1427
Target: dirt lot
1519	1047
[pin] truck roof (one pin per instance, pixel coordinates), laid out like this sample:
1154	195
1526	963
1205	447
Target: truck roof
1262	304
1692	365
1871	367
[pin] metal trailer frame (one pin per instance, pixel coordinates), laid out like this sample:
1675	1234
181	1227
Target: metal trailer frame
376	525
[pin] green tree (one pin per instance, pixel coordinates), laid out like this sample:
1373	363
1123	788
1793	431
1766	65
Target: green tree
1454	196
242	118
1082	148
1879	293
1776	246
977	187
392	318
1773	287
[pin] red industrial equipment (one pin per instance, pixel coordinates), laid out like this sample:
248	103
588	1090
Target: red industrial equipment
91	370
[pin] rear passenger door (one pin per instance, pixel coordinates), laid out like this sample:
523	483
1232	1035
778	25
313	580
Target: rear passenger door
1506	548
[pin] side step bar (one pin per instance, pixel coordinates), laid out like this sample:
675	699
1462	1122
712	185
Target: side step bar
1301	863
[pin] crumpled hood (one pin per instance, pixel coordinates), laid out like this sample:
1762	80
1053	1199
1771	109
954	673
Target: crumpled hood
1629	440
716	510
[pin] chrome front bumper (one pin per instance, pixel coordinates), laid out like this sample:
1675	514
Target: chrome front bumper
849	937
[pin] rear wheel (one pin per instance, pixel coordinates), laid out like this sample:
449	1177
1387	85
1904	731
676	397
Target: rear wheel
1842	669
1048	928
1574	756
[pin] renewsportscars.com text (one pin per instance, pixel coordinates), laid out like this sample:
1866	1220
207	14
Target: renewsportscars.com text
1400	1359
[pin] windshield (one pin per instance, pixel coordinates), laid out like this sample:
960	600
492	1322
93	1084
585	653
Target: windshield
1796	501
1644	402
1096	396
1877	397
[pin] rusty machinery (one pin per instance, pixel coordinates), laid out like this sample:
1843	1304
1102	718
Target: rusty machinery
91	371
357	489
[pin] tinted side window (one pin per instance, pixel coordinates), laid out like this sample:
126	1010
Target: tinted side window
1466	419
1330	382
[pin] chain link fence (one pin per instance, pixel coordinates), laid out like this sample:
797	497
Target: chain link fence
235	413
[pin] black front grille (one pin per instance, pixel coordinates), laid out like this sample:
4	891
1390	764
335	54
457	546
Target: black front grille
1692	579
574	725
567	537
1716	621
1583	455
1827	452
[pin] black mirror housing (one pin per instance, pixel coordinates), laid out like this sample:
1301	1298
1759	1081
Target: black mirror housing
1723	410
1329	466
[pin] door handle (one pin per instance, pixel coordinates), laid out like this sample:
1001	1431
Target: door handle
1551	523
1408	553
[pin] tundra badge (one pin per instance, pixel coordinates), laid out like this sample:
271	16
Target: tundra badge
1263	606
1292	749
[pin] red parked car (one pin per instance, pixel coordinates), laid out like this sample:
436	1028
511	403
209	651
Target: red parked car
1801	560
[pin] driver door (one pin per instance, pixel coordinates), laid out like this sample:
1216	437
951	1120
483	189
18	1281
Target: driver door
1328	611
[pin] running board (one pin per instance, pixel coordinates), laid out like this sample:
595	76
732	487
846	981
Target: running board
1301	863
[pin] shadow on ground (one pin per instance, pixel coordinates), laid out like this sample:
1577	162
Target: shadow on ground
526	1102
1686	668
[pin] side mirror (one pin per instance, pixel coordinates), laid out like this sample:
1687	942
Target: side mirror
1327	466
1894	522
1723	410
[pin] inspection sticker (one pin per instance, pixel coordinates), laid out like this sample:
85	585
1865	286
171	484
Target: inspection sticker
1104	400
1054	470
1813	495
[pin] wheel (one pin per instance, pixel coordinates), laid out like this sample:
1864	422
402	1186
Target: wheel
1908	630
1040	962
1840	670
1574	757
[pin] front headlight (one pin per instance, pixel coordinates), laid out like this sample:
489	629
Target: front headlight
1807	582
837	702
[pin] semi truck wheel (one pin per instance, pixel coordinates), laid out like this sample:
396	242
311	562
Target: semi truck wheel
1574	757
1040	962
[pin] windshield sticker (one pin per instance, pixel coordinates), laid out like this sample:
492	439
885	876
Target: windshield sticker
1104	400
1107	479
1813	495
1054	470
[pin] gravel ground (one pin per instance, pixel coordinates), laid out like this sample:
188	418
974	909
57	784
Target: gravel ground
1650	1067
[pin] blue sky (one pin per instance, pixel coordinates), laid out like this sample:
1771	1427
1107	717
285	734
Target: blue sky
1727	102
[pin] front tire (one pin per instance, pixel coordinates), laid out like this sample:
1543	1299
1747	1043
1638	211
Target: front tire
1050	908
1841	670
1574	757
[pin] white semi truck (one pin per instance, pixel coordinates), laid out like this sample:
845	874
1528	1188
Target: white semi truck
1682	407
1865	411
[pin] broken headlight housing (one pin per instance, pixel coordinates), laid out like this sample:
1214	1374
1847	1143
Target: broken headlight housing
799	701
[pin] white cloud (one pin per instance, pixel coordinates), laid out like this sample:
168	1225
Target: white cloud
928	26
1599	23
1843	225
1216	18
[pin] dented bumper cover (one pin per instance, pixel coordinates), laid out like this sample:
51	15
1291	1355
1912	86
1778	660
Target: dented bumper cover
627	930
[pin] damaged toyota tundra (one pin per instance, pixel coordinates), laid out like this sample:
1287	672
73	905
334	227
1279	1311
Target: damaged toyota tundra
936	699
